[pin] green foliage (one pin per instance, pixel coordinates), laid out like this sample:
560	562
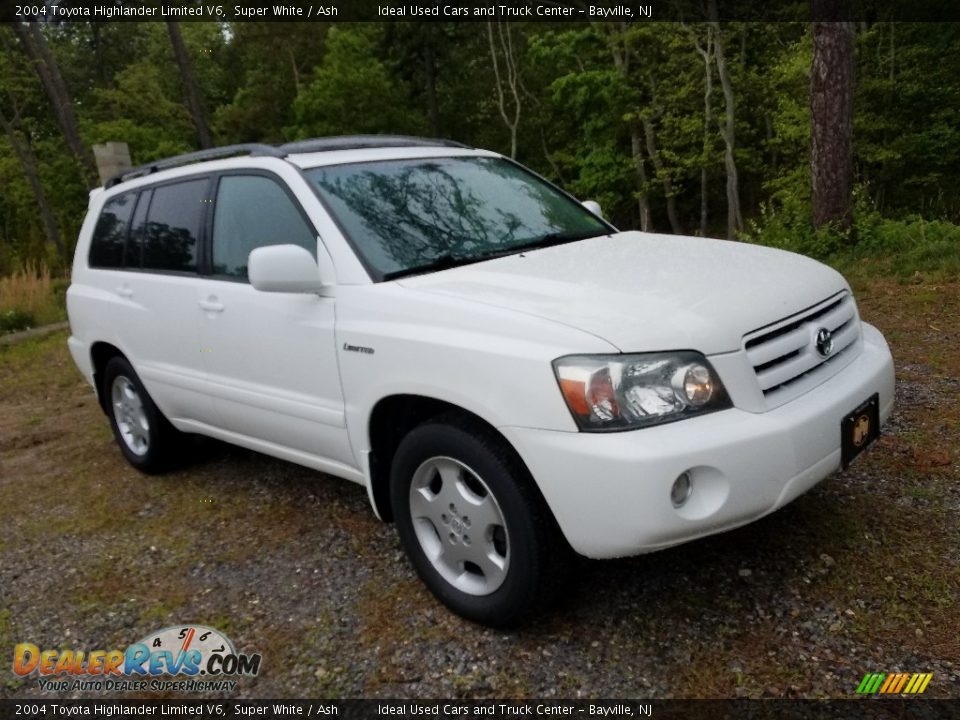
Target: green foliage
140	109
905	120
790	228
587	92
892	247
788	147
589	102
908	246
264	65
14	320
352	92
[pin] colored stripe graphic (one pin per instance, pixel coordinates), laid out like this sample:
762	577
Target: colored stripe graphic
920	684
891	681
871	683
894	683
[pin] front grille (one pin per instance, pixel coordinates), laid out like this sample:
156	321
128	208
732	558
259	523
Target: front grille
785	357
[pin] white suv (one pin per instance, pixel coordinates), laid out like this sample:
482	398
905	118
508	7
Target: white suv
507	374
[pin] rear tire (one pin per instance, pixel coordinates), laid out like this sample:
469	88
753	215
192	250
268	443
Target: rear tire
146	438
473	523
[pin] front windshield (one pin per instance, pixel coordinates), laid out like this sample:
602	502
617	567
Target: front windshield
406	215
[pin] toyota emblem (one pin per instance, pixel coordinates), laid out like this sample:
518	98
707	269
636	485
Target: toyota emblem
824	342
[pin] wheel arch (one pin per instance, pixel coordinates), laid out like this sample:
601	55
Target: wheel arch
391	419
102	353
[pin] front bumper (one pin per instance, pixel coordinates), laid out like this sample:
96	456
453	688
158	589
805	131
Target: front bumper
610	493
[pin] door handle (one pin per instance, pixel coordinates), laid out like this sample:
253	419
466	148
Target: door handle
125	291
211	305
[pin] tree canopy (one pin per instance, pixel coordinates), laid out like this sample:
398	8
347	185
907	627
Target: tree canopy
673	127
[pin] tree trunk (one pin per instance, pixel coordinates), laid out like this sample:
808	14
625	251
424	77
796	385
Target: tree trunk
430	73
511	78
654	155
295	71
774	155
727	130
39	53
190	92
97	41
28	162
646	221
621	61
831	123
650	134
707	55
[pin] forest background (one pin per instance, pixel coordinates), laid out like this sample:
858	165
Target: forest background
700	128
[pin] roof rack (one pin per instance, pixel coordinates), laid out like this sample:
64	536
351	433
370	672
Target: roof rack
359	142
195	157
326	144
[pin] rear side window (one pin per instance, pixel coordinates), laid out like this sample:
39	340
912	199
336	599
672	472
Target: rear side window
133	257
253	211
110	235
172	232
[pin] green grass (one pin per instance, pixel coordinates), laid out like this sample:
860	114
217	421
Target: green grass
6	632
31	297
911	249
7	641
22	356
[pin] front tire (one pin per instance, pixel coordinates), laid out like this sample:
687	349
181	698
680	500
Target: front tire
472	522
146	438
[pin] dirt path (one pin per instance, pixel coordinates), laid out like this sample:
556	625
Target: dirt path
861	574
32	333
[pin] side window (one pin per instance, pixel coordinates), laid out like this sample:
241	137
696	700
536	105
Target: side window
171	237
106	247
133	257
253	211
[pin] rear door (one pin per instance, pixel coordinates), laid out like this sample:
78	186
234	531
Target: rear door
147	247
271	357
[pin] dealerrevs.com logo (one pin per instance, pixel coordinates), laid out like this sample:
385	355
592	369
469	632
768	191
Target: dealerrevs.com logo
205	657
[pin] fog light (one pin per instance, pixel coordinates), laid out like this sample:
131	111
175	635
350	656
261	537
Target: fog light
682	487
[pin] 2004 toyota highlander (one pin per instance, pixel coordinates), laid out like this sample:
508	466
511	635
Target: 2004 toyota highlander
507	374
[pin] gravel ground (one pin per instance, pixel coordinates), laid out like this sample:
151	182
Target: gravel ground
859	575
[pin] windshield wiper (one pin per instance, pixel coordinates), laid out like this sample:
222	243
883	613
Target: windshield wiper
558	238
447	260
548	240
441	262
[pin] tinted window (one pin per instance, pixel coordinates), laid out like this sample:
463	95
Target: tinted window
171	237
106	248
133	257
402	214
253	211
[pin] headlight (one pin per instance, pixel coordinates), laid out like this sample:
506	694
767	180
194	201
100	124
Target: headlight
622	392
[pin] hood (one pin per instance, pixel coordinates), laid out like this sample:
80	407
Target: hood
644	292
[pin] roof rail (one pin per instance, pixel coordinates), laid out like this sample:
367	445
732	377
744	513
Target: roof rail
324	144
359	142
194	157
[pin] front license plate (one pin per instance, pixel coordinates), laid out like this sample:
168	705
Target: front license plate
859	429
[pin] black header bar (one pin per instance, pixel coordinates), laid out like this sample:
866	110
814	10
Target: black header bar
219	709
480	10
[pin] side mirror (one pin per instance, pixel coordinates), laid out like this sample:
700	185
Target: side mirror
594	207
284	268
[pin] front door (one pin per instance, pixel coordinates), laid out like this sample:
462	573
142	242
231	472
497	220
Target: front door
271	357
